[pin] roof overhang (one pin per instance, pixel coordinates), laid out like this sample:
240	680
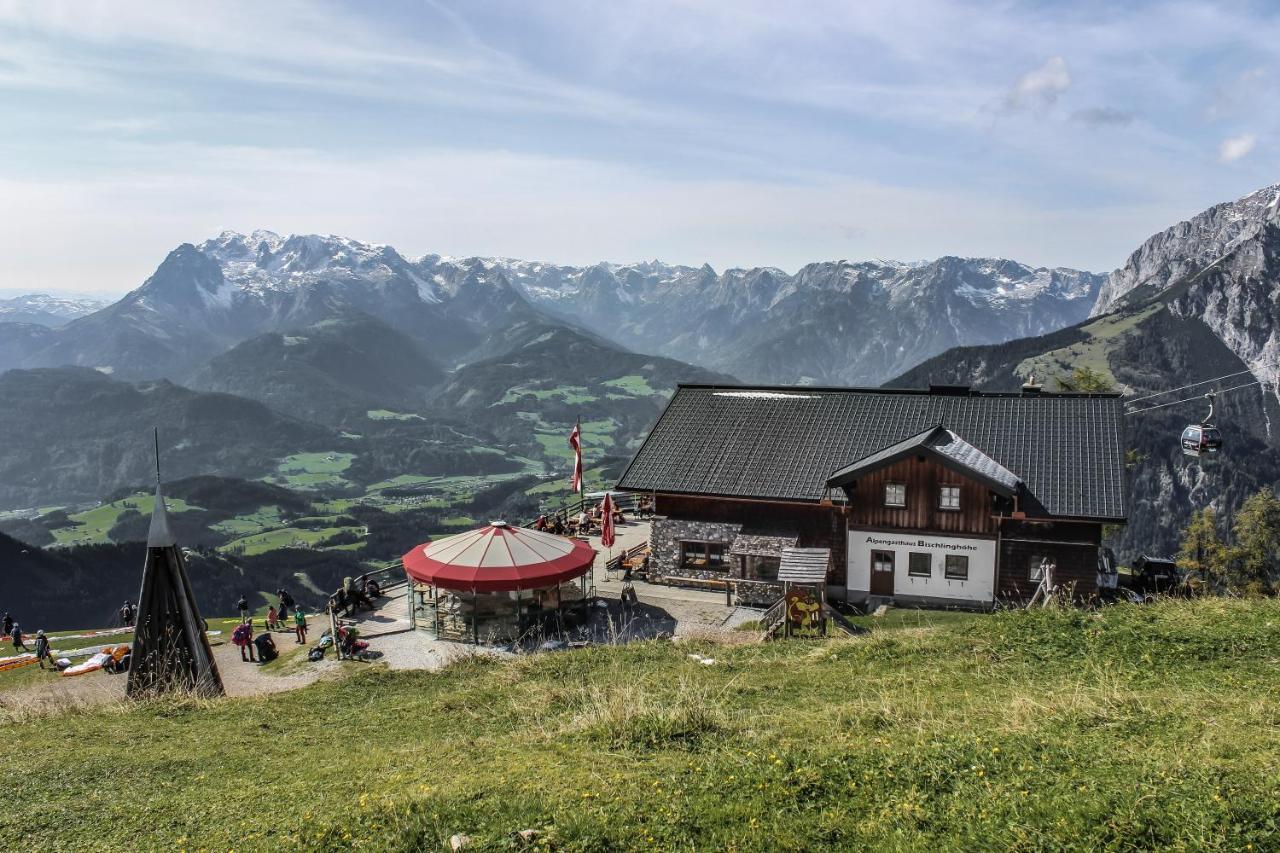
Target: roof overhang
944	447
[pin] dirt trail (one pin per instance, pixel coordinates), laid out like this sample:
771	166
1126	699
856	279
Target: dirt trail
238	677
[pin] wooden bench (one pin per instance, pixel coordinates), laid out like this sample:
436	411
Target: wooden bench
693	583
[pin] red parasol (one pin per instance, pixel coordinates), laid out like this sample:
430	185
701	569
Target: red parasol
606	524
499	557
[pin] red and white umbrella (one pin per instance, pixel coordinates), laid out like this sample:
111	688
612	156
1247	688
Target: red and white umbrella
606	523
499	557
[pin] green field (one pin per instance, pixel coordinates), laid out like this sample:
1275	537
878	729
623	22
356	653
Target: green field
264	518
310	471
1103	335
285	537
631	386
388	415
1131	729
571	394
92	525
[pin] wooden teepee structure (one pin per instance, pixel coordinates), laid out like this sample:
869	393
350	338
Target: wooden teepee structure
170	649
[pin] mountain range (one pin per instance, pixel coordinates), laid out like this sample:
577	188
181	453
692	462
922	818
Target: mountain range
203	300
390	374
43	309
835	322
1193	303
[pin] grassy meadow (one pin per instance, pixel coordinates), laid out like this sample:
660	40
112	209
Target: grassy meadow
1135	728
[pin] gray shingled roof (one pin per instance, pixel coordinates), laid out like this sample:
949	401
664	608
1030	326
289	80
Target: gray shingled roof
784	443
804	565
949	448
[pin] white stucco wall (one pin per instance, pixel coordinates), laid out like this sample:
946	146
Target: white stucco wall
980	587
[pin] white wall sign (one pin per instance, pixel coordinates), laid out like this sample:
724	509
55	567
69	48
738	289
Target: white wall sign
980	585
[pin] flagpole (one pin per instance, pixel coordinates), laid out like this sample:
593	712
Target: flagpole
582	480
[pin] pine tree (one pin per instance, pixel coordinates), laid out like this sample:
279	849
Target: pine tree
1202	551
1257	535
1086	380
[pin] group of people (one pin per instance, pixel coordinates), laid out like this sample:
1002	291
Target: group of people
262	648
43	650
357	594
588	521
259	649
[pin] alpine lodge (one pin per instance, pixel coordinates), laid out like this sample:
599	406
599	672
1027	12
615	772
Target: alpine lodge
945	497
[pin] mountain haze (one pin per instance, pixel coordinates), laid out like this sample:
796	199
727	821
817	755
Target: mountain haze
832	322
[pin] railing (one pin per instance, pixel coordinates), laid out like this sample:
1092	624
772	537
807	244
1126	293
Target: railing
625	502
618	563
771	621
386	577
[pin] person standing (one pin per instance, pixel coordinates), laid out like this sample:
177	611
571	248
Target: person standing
43	650
127	614
300	625
242	636
286	602
273	618
15	634
8	624
243	605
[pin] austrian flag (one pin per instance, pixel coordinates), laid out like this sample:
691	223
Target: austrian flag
575	441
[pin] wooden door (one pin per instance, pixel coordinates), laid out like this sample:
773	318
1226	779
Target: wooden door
882	573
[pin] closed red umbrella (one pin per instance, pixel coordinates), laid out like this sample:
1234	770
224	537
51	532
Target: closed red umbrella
606	525
497	558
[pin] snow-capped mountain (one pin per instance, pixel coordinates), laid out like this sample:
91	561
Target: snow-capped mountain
44	309
837	322
202	300
834	322
1188	247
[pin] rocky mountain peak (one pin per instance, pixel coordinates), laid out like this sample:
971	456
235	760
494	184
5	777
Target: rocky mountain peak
1187	247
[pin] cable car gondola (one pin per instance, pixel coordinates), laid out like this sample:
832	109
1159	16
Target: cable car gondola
1202	439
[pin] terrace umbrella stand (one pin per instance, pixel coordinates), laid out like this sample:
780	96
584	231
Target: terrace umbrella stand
475	577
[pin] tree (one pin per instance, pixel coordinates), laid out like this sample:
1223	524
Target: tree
1257	535
1086	380
1202	551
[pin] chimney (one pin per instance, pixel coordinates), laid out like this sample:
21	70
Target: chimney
1031	386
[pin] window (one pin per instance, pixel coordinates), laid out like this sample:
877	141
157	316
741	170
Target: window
895	494
702	556
957	568
882	561
762	568
949	497
920	566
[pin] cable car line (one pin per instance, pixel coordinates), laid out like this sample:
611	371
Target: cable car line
1185	387
1190	399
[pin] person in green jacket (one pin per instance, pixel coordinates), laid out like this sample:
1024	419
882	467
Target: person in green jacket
300	624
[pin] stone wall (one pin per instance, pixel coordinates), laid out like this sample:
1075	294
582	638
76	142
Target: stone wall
664	541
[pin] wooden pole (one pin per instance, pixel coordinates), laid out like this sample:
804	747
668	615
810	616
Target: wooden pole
475	618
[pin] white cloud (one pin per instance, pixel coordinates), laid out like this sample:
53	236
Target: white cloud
1235	147
1041	86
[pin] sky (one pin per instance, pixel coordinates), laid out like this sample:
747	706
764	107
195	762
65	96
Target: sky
738	133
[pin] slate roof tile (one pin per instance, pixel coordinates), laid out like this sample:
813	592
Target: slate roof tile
784	443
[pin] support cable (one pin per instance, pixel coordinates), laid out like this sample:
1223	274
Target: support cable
1185	387
1191	399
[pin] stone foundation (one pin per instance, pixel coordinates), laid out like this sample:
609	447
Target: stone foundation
665	537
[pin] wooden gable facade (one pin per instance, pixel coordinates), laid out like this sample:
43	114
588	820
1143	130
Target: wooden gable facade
921	480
